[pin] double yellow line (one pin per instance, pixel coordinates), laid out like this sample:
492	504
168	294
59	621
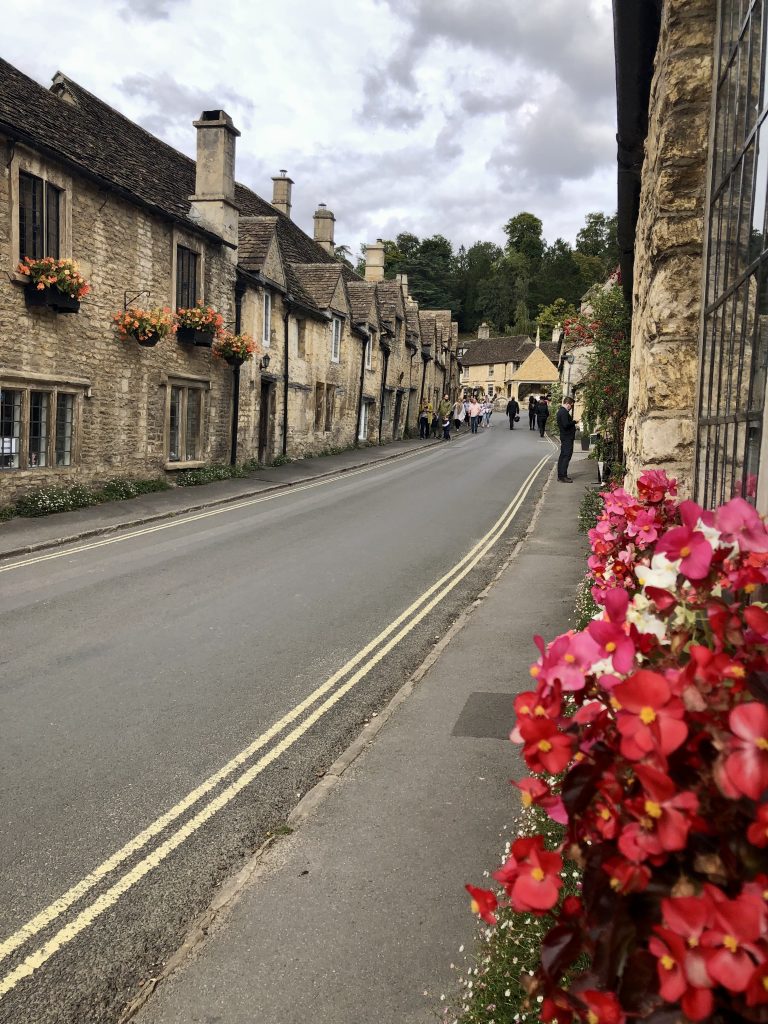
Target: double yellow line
360	665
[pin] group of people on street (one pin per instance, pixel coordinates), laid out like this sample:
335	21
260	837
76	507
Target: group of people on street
478	415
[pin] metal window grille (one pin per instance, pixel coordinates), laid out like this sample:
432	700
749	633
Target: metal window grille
186	277
10	428
735	329
38	428
65	416
52	220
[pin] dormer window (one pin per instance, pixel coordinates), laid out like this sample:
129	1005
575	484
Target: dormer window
39	217
336	340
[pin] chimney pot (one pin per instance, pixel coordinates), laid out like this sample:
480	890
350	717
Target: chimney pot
374	261
281	193
324	221
483	331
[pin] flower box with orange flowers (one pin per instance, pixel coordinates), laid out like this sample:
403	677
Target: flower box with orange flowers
199	325
234	349
53	284
146	326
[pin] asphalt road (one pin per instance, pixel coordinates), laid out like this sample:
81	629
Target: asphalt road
132	673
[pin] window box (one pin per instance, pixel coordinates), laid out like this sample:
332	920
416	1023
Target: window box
194	336
50	298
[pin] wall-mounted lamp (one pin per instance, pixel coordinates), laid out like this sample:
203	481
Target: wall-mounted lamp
264	363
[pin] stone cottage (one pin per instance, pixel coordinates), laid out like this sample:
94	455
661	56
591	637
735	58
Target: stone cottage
506	366
693	179
340	358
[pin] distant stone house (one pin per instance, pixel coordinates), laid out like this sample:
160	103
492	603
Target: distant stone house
506	366
151	227
693	185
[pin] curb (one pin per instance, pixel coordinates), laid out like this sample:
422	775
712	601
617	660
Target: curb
28	549
231	890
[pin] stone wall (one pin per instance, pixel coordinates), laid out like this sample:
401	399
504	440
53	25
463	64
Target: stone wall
121	389
669	247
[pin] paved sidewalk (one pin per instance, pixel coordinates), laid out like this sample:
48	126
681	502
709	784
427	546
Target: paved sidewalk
356	916
20	536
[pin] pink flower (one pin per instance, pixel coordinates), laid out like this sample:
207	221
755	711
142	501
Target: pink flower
649	717
687	544
739	523
746	766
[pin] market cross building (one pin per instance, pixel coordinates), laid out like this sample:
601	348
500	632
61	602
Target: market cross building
510	366
341	359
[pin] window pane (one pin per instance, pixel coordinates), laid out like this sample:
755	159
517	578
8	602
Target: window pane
194	415
52	213
38	428
30	216
10	428
186	277
65	415
174	442
266	332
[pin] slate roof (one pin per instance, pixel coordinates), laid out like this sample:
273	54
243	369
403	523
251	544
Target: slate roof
506	349
254	237
390	301
319	281
101	142
362	295
427	326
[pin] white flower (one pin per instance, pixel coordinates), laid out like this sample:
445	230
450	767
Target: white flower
661	573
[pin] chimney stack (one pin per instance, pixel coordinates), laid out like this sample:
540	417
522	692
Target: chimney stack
402	280
324	221
374	261
281	193
213	204
538	337
483	331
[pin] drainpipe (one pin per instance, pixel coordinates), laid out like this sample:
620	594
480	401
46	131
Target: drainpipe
385	353
286	314
239	292
360	396
406	427
423	379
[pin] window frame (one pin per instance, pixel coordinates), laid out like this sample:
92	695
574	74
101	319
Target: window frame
362	426
336	332
54	393
266	323
184	281
369	353
319	405
185	385
26	161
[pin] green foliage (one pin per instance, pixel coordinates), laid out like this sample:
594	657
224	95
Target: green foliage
597	239
499	296
590	508
281	460
46	500
209	474
605	386
555	313
120	489
586	607
524	236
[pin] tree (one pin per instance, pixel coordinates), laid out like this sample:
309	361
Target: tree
524	236
559	276
598	238
555	313
343	254
473	267
499	295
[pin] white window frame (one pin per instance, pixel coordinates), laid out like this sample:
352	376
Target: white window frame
369	354
266	327
185	384
362	427
336	328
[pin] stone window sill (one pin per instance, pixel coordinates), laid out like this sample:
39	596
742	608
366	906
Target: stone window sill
172	466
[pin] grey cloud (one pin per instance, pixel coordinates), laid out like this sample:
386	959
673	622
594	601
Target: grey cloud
174	105
148	10
477	102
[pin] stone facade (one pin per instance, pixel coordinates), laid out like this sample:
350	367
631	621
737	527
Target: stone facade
329	342
509	367
669	247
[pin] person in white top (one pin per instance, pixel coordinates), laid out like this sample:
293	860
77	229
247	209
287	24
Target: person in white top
474	414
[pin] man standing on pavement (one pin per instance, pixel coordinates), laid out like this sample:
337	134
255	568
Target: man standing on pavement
513	410
567	427
542	414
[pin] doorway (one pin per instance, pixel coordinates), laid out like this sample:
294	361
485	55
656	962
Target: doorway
396	417
266	420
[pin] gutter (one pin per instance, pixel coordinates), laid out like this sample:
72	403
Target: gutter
636	27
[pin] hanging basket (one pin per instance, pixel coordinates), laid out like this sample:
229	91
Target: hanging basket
50	298
233	360
148	342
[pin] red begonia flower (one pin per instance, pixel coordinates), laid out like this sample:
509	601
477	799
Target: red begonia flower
650	718
670	811
757	833
746	765
483	903
602	1007
654	485
546	748
757	989
531	875
625	876
757	620
736	925
534	791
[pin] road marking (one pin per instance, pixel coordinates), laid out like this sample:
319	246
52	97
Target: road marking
231	507
107	899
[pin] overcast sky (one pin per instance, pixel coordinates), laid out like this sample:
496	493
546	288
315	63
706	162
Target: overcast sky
429	116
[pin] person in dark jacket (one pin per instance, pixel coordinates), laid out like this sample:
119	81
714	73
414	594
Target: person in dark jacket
532	412
567	426
513	410
542	414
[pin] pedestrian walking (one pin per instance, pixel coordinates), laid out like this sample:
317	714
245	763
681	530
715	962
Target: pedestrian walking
444	409
447	428
532	402
513	412
425	419
474	414
435	424
487	412
466	410
542	414
567	427
458	414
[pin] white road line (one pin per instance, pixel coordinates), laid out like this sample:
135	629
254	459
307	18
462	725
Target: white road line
76	892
